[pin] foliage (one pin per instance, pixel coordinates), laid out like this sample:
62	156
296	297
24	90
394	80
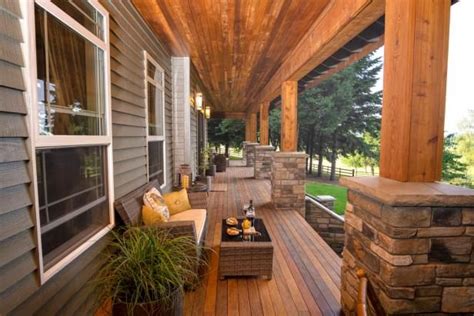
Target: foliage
465	144
205	159
454	171
229	133
367	156
341	116
146	265
338	192
274	126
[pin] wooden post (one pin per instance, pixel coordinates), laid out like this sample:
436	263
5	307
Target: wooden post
289	116
415	69
264	107
251	127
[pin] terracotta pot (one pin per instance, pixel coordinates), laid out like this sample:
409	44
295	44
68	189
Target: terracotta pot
155	309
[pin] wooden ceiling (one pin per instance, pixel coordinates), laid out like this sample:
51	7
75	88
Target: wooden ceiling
236	46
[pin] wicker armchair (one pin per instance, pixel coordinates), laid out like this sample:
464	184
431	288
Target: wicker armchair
129	209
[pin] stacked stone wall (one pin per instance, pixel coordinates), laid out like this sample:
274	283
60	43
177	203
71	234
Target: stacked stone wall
263	161
288	176
419	259
249	153
326	223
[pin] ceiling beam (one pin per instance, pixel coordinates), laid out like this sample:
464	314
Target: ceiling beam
346	63
229	115
340	22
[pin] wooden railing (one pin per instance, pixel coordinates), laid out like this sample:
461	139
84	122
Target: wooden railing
340	172
366	297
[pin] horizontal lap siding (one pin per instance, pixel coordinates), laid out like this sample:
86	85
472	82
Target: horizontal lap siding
20	292
129	37
17	244
69	292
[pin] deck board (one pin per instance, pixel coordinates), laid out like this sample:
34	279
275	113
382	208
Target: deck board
306	272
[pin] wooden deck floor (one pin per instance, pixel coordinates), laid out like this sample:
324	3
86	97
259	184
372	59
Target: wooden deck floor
306	272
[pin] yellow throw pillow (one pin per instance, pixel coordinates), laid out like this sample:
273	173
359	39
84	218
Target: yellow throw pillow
151	217
177	201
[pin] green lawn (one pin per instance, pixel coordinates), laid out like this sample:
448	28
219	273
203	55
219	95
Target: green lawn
340	193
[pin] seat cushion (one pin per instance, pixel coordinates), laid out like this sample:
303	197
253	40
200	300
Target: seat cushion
198	216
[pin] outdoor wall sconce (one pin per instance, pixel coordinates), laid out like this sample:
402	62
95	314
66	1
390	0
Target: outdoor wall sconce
208	112
199	101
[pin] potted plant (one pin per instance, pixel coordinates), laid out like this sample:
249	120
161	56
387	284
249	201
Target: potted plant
146	271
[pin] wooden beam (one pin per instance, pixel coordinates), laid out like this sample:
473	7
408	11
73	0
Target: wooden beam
264	107
346	63
341	21
251	127
229	115
289	116
415	69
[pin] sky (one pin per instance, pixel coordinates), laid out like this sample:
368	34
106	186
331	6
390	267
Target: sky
460	86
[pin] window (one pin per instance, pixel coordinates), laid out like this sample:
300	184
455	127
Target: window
72	132
155	101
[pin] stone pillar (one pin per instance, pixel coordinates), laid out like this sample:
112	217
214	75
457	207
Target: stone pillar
326	200
263	161
414	240
249	153
288	179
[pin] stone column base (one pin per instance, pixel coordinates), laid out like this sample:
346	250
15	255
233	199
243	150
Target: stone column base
288	179
263	161
249	153
414	240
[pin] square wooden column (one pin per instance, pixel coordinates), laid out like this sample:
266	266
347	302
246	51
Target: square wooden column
251	127
264	107
415	69
289	116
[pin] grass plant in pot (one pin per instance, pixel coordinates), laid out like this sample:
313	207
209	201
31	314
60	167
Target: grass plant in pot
146	270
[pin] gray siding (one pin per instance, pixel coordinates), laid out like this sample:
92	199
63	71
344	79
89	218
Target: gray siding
69	292
17	256
130	37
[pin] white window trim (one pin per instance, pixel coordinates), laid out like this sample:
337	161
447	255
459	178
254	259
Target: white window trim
151	138
38	141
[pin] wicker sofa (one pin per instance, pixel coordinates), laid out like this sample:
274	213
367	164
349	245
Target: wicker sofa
188	223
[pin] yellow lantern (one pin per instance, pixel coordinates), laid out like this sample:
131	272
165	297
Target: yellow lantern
208	112
199	101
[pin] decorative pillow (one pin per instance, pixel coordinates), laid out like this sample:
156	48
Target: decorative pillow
153	199
151	217
177	201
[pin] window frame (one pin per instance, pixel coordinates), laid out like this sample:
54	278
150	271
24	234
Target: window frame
38	141
153	138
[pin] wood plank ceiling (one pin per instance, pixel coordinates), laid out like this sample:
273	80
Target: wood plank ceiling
236	46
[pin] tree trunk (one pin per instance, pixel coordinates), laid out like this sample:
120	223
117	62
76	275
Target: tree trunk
332	177
320	156
227	150
372	169
311	153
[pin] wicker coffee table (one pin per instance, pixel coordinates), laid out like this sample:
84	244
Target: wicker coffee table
239	257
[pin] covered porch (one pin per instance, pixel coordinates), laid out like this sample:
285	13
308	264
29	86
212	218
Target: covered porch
306	271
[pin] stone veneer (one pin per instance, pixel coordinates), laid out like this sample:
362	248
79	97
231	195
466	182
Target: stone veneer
329	225
414	240
288	178
263	161
249	153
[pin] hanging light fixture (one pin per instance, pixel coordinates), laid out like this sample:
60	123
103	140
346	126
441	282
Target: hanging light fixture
208	112
199	101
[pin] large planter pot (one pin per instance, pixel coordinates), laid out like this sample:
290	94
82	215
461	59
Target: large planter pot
221	163
211	171
155	309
